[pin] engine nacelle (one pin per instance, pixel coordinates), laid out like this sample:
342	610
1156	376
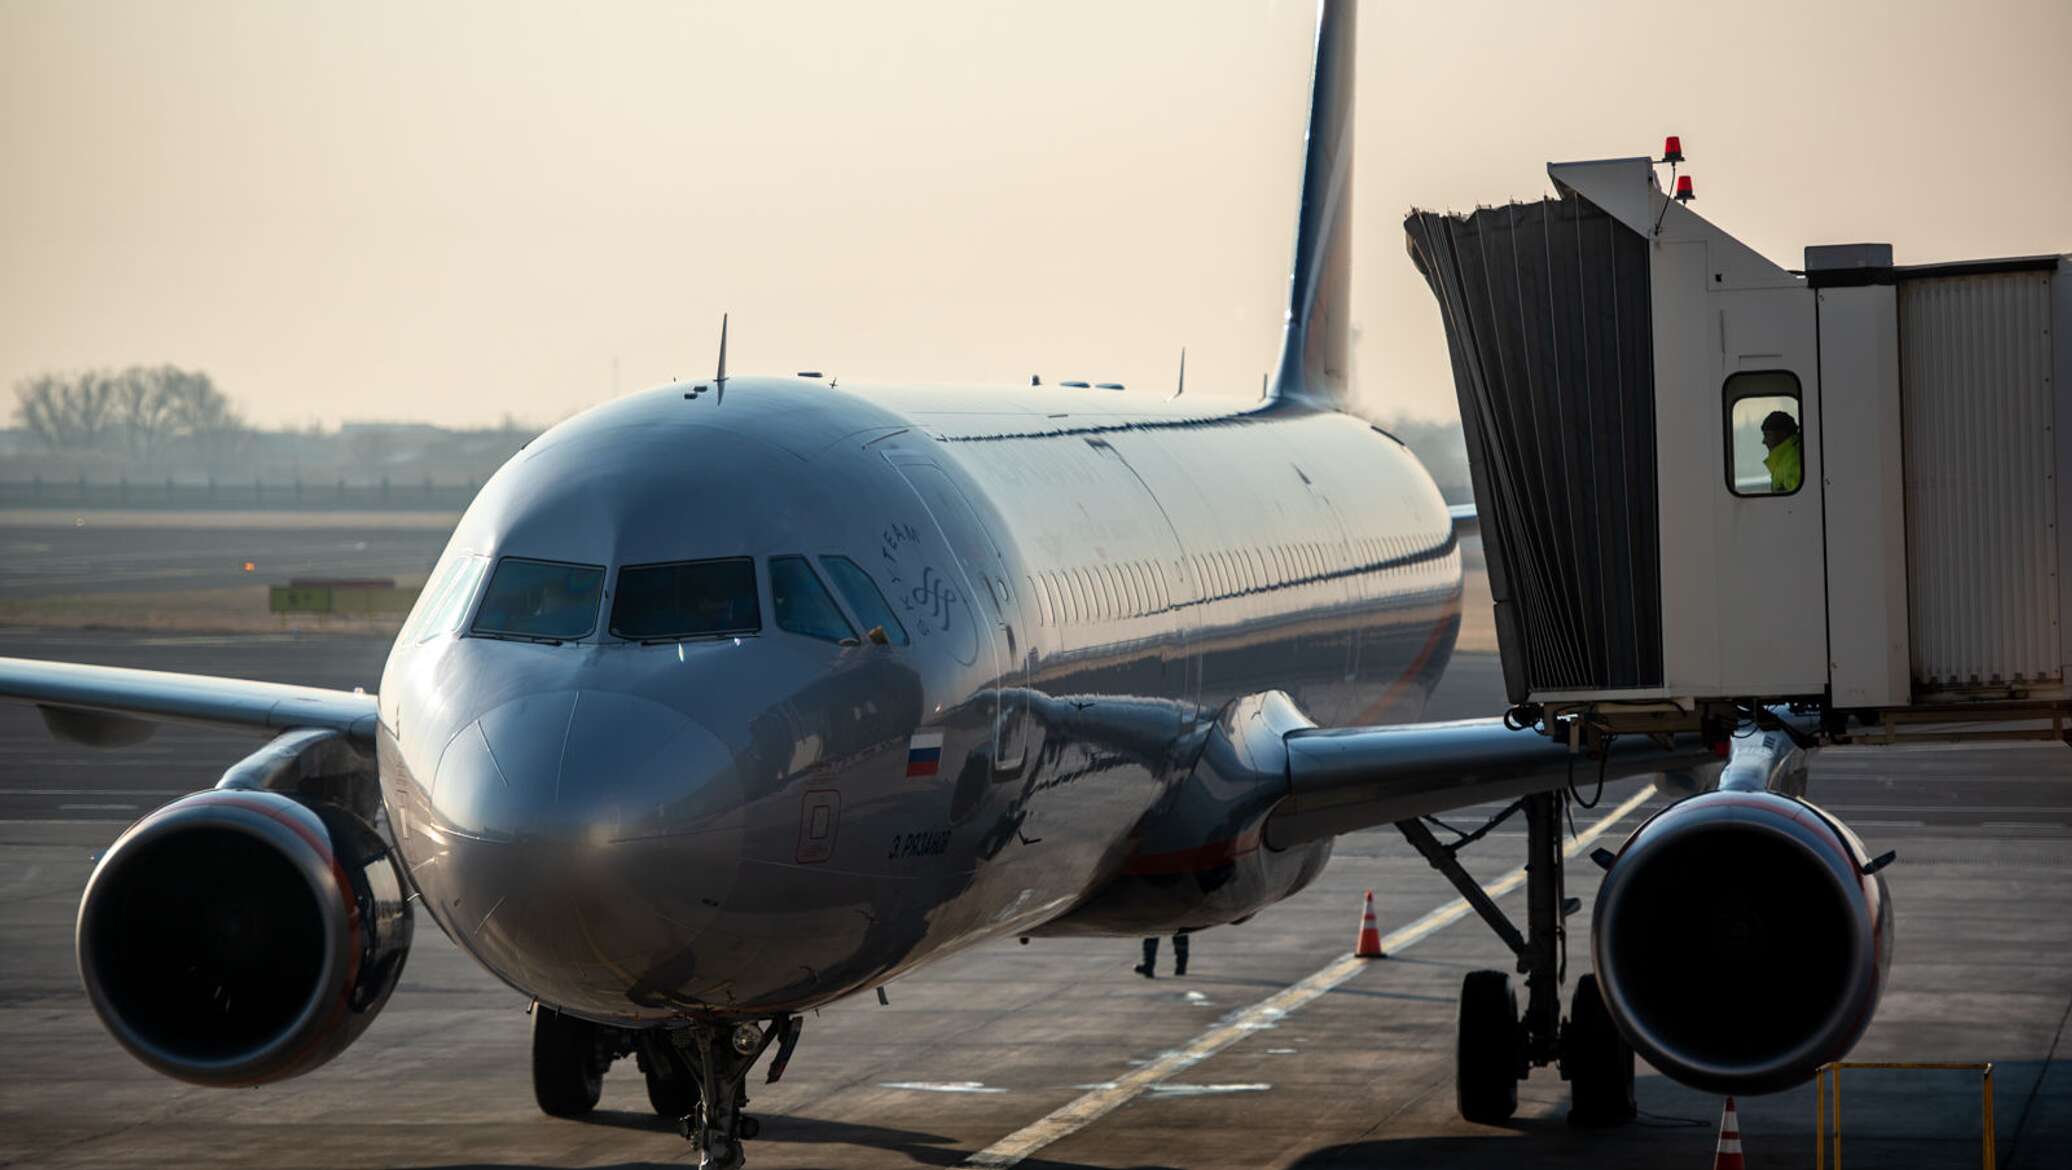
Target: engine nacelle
240	937
1741	941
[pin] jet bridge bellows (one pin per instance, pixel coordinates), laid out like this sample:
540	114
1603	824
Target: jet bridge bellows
1706	481
1546	310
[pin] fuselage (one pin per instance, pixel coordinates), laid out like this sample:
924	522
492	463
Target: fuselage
956	656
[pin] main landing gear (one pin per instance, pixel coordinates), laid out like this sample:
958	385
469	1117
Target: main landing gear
696	1073
1495	1045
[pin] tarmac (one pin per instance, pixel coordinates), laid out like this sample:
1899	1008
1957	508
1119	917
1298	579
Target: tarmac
1223	1068
45	553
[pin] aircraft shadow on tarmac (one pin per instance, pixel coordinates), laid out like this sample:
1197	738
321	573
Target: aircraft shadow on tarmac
1887	1121
927	1149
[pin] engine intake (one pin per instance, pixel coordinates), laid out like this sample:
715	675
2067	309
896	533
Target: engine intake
1740	941
240	937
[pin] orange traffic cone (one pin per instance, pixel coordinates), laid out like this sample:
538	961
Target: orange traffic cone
1369	946
1728	1156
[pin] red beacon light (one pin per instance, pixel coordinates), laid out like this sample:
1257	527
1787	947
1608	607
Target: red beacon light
1672	149
1684	193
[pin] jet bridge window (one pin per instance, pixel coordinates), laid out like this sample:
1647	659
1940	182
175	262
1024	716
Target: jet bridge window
803	604
686	599
1765	452
864	598
542	601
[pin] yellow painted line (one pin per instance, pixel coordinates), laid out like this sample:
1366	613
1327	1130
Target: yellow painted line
1077	1115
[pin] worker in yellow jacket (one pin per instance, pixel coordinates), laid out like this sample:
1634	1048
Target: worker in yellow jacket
1787	457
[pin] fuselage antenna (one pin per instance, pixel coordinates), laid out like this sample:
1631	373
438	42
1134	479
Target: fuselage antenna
1182	387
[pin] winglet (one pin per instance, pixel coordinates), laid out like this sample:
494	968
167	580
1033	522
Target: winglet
1313	362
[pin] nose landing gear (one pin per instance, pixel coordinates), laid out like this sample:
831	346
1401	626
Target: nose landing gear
719	1056
696	1073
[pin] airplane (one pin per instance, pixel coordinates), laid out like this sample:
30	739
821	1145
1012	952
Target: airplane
735	697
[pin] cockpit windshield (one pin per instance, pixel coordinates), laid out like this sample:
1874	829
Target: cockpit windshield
540	600
686	599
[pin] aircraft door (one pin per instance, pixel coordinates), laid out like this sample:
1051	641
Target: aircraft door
994	602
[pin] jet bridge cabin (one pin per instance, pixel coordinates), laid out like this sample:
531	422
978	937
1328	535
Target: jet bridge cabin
1707	481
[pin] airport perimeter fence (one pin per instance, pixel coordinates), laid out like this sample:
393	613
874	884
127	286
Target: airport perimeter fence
242	495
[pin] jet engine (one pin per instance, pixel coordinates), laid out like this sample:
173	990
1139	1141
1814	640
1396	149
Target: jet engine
1741	940
236	937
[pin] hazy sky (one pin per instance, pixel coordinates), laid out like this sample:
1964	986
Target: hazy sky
451	211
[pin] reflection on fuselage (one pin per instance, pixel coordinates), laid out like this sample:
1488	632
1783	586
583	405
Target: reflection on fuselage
1080	586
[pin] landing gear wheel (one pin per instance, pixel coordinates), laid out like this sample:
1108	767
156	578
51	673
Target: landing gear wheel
1597	1061
673	1097
1485	1054
567	1063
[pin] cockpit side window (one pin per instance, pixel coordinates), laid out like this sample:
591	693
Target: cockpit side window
544	601
444	600
864	598
686	599
803	604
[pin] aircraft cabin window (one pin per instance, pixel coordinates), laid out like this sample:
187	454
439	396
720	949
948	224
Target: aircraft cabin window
541	601
1765	452
686	599
865	599
803	604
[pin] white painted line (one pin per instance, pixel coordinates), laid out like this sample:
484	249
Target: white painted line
1076	1115
942	1086
1172	1090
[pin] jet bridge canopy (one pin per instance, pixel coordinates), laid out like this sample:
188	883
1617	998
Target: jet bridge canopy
1707	481
1546	310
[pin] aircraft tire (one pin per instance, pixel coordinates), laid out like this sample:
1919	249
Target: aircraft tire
1598	1062
675	1097
1485	1054
567	1068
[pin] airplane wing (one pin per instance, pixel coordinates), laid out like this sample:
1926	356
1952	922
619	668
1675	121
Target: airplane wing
108	706
1344	779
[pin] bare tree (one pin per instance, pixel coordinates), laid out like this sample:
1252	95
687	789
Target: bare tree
202	412
144	406
38	407
91	407
67	412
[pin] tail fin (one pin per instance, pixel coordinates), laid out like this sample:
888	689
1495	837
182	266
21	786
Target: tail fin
1314	358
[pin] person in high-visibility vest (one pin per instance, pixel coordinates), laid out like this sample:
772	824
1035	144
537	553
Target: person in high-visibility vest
1786	460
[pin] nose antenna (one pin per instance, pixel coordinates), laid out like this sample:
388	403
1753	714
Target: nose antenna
719	380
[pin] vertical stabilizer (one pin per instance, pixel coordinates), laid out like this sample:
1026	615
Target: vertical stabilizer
1314	361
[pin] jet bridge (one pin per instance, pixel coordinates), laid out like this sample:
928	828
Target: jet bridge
1708	483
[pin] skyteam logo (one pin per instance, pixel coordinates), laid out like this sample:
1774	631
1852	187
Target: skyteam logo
924	754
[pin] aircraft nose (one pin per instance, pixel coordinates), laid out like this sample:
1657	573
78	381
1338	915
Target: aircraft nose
594	835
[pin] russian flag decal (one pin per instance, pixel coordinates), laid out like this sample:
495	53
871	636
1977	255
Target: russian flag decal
924	754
